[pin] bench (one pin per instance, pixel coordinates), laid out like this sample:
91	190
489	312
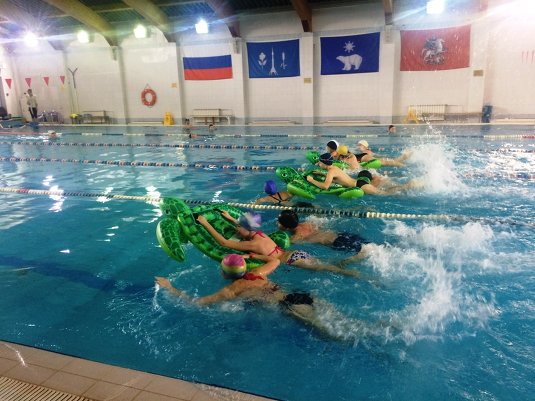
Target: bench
272	122
426	112
95	117
207	116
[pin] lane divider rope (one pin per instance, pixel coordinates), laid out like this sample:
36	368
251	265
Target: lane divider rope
213	167
221	146
305	210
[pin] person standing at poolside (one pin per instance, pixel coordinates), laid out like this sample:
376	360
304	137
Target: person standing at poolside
31	101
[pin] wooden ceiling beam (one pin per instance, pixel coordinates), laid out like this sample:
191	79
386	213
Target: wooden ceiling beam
388	9
86	16
154	15
304	12
224	11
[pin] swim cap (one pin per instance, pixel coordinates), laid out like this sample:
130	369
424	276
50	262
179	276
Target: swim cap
342	150
288	219
326	158
233	266
364	174
364	143
270	187
332	144
250	220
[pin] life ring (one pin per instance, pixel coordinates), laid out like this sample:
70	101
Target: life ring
146	92
297	184
180	226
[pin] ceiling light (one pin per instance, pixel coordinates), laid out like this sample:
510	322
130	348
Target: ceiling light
31	39
83	36
140	31
201	26
435	6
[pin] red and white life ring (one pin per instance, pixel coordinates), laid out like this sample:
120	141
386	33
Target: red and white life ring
148	97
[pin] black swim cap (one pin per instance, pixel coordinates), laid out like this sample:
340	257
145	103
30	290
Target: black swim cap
365	174
288	219
326	158
332	145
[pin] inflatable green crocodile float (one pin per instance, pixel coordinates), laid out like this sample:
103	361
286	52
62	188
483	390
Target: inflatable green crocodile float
313	157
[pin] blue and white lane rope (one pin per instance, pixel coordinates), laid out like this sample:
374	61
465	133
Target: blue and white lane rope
524	175
315	211
220	146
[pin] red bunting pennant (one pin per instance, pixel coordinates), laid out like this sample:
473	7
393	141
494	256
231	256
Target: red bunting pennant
62	78
46	80
8	82
28	81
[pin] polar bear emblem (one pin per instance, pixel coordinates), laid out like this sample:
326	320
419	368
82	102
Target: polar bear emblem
353	60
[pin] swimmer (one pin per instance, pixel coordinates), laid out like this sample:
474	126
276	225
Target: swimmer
52	134
347	157
288	220
391	129
256	241
332	147
363	180
280	198
367	155
255	286
211	127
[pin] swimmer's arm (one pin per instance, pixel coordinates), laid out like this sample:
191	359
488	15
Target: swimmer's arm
222	295
267	268
264	199
219	238
323	185
315	264
227	216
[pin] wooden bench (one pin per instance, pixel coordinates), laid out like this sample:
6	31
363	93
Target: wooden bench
95	116
207	116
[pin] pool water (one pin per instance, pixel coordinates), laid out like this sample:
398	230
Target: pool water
445	309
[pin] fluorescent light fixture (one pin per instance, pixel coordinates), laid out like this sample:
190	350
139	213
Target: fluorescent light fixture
201	26
140	31
31	39
435	6
83	36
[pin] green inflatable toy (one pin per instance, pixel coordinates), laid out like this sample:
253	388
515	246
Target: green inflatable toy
180	226
313	157
298	185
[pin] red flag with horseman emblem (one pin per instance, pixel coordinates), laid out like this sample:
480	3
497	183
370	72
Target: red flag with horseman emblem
435	49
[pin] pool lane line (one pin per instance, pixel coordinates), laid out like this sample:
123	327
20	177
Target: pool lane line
221	146
213	167
312	211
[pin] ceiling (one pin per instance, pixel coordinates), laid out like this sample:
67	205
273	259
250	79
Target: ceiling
116	18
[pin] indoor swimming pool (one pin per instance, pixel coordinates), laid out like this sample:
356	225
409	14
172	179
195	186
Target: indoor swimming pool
444	309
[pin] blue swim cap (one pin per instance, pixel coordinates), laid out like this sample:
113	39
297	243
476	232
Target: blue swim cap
250	221
270	187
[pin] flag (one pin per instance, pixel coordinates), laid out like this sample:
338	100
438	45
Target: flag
207	68
8	82
350	54
62	79
46	80
435	49
274	59
28	81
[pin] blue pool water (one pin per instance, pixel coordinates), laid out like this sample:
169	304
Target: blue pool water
446	309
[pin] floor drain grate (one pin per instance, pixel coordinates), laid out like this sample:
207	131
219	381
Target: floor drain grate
14	390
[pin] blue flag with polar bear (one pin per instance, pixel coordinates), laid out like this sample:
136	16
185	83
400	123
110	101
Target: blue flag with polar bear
354	54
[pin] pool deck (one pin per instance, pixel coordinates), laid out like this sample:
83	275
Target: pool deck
31	371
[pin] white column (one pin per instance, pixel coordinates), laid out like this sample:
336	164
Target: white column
306	53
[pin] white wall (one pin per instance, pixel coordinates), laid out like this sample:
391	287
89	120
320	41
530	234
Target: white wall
502	45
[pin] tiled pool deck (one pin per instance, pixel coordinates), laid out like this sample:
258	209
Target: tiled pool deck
99	382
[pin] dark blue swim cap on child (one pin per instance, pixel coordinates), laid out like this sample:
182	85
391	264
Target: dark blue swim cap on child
326	158
270	187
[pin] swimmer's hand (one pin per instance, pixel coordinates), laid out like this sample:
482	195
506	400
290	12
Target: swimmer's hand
163	282
202	220
310	178
226	215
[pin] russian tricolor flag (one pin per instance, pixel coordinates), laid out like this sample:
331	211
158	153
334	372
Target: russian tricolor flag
207	68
